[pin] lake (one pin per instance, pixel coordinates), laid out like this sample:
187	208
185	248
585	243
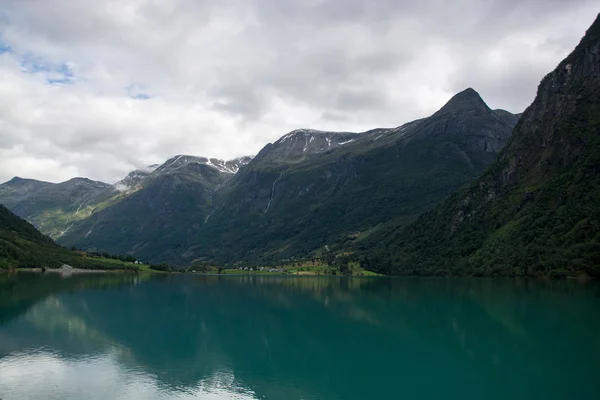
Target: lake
251	337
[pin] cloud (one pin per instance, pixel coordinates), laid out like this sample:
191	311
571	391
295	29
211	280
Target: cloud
98	90
37	374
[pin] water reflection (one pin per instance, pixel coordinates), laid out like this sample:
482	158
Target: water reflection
44	375
305	337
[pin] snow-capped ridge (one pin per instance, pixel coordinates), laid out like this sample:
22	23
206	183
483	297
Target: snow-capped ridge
297	144
135	177
301	132
228	167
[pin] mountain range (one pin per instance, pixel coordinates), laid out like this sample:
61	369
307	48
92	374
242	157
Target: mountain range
23	246
536	210
458	192
309	192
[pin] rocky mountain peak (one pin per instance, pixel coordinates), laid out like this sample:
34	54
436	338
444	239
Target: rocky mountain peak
79	181
547	172
18	185
227	167
300	143
235	164
467	101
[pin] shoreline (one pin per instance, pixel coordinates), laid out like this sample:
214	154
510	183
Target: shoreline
66	270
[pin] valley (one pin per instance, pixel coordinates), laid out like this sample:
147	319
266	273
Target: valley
469	190
305	193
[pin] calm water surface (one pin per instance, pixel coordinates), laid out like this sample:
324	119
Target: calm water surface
191	337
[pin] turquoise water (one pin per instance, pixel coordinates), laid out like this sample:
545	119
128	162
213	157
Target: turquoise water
194	337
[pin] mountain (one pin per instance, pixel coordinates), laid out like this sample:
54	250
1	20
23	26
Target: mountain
23	246
155	212
536	210
234	165
308	193
57	208
300	144
134	177
313	191
52	208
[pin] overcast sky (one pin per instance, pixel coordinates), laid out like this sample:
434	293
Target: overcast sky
98	88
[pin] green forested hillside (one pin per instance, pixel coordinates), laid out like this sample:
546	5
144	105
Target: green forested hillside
23	246
54	207
310	192
154	222
291	202
150	214
536	211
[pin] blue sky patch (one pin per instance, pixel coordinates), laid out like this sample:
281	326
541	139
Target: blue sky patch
55	73
141	96
4	47
137	92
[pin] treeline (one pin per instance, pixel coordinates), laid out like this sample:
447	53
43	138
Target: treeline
164	267
23	246
498	228
330	262
16	253
104	254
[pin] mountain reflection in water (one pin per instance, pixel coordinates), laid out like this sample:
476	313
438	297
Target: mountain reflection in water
251	337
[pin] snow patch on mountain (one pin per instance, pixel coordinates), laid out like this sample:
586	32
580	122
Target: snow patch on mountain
309	133
180	161
134	178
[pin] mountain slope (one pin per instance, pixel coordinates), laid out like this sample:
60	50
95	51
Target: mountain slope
23	246
536	211
309	192
51	207
154	217
314	190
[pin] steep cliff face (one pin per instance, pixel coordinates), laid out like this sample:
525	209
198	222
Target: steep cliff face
536	210
312	189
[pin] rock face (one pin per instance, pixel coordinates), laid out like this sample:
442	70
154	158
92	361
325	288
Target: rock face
535	211
484	129
312	189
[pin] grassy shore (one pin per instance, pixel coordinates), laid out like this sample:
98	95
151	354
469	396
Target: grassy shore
298	269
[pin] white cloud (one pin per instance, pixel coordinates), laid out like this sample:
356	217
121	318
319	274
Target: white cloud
223	78
44	375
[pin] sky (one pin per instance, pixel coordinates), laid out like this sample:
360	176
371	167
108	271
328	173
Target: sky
99	88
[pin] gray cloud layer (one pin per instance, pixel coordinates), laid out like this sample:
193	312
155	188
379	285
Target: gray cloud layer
99	88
